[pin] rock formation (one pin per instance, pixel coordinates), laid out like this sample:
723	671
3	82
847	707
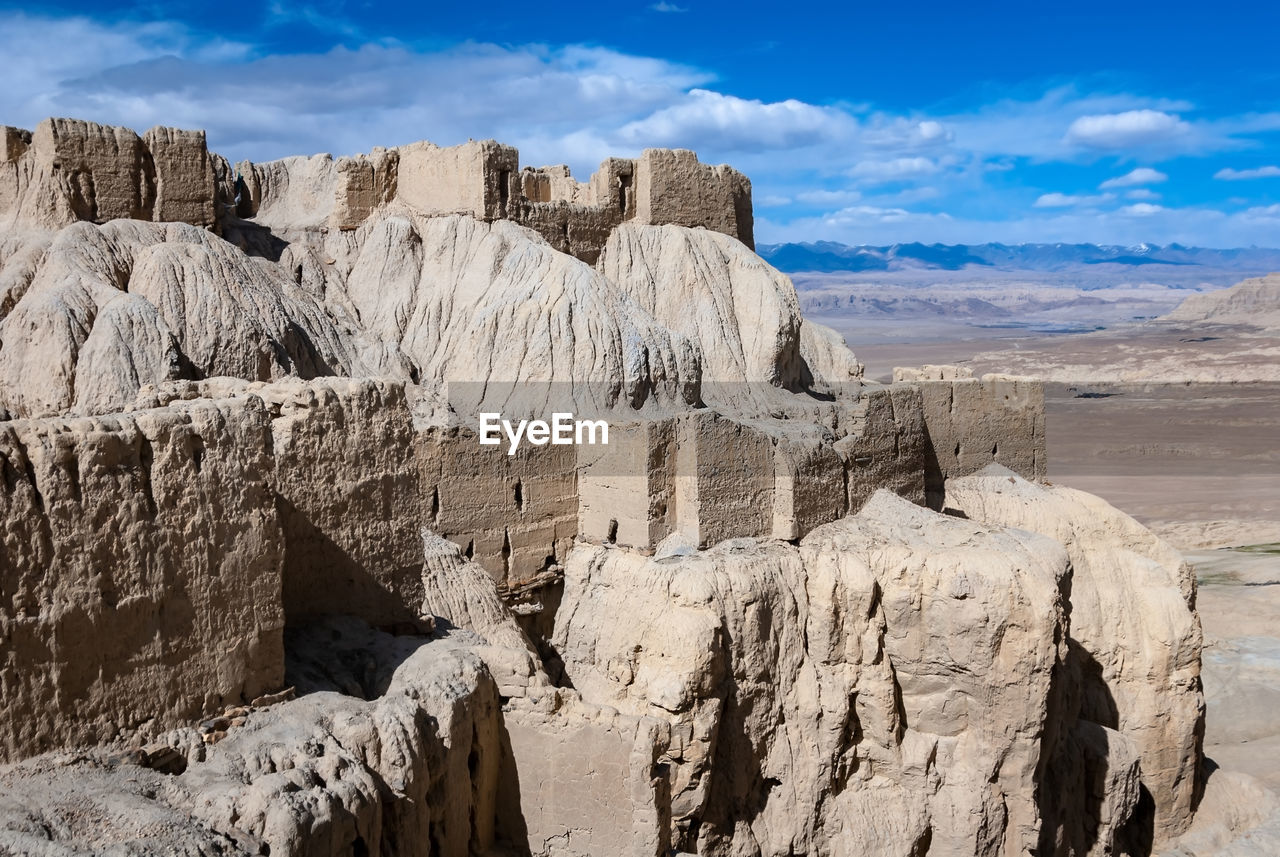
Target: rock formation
262	589
1253	303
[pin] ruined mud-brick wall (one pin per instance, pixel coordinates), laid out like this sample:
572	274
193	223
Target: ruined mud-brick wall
189	534
972	422
140	572
69	170
710	478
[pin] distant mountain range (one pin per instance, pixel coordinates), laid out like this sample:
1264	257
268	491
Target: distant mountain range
829	256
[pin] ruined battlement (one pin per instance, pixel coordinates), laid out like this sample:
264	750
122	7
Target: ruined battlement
70	169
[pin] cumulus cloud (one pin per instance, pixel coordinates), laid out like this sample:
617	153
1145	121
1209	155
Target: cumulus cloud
1230	175
894	169
828	197
1141	193
1063	200
732	124
1141	209
1140	176
1123	130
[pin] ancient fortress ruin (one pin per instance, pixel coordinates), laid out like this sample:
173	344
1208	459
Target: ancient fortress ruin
169	175
263	591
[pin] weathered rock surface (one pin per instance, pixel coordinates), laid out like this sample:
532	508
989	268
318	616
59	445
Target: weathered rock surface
855	695
139	572
410	771
1254	303
239	462
173	300
1135	637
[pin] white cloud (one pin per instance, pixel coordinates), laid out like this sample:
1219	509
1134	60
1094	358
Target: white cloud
770	201
1141	209
1063	200
1230	175
1142	175
894	169
1205	227
828	197
728	123
1124	130
1141	193
664	6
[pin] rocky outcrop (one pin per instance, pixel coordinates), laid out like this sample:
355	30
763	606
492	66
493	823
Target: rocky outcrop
412	770
884	688
1135	637
1253	303
168	301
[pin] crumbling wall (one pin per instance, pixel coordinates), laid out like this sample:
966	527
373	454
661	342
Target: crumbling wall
579	230
70	169
103	169
363	183
710	477
140	572
514	515
972	422
184	181
292	193
672	187
476	178
554	184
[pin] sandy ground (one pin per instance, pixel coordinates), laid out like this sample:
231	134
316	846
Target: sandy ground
1200	464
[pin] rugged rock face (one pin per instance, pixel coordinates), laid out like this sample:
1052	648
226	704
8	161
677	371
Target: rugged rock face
1254	303
262	590
876	690
1135	638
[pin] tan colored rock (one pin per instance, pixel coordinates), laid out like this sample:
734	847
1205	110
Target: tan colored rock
477	304
292	193
856	693
479	179
1134	632
1254	302
580	780
827	356
13	143
514	515
710	288
412	772
227	314
101	169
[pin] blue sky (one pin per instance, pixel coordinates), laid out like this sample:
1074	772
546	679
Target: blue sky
864	123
